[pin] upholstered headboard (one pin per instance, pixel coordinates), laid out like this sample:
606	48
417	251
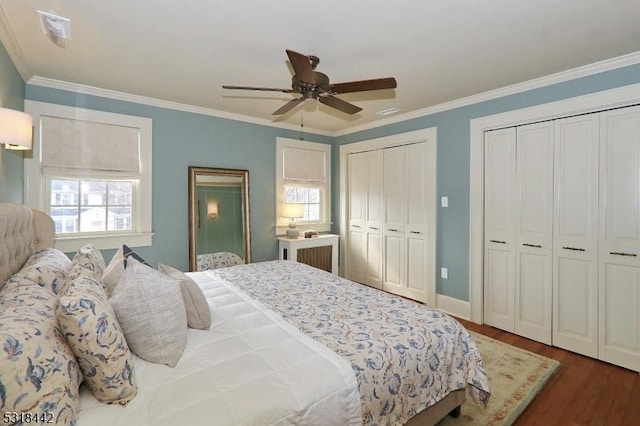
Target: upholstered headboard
22	231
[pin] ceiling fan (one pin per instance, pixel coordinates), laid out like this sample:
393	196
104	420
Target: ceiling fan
312	84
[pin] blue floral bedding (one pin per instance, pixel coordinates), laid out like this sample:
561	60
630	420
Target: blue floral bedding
405	355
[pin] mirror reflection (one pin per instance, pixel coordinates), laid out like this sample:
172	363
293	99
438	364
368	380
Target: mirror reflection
218	218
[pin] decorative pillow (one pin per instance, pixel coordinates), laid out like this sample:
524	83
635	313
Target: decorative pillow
91	329
38	371
198	313
150	310
90	258
112	274
48	268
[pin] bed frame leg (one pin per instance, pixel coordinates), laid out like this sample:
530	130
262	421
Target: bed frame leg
455	413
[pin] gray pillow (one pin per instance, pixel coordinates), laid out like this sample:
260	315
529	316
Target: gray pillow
198	313
150	310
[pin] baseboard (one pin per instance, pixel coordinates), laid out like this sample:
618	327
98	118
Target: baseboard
452	306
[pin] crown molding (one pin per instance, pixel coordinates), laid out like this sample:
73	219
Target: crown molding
560	77
13	48
160	103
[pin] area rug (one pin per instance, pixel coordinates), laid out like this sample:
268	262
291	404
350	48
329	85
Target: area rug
515	378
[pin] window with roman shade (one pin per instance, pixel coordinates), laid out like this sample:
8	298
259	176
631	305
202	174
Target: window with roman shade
75	147
91	172
304	177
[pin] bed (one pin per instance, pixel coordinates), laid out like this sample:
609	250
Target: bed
288	344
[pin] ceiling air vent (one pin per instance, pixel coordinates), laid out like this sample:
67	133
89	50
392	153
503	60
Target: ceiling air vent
57	28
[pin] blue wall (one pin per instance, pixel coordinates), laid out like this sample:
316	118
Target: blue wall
453	162
182	139
11	162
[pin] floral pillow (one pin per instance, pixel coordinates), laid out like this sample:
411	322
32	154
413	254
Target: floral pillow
38	371
90	258
48	268
92	330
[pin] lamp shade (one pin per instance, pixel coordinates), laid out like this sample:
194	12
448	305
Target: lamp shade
212	209
293	210
16	129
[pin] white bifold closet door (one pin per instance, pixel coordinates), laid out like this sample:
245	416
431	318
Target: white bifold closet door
619	284
365	218
409	220
534	231
575	243
518	229
499	247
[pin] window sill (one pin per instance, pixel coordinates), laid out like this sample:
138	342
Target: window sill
281	229
103	242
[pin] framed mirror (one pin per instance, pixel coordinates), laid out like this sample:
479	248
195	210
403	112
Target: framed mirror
218	216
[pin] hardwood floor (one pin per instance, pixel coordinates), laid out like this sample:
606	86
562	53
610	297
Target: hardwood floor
584	391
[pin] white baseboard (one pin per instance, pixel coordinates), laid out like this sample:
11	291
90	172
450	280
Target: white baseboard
455	307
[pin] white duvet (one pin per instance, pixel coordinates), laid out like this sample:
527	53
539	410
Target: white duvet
250	368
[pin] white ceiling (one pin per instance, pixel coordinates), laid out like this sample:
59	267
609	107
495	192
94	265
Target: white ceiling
439	51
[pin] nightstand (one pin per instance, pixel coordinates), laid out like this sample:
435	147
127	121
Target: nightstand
320	252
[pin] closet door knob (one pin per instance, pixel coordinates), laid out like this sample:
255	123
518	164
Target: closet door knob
573	248
498	241
415	232
356	226
393	230
374	228
532	245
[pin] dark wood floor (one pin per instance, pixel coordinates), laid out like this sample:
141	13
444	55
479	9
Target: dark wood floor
584	391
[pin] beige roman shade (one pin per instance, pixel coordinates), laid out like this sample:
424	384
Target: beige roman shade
71	146
303	165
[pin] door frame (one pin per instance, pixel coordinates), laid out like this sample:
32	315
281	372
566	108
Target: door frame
594	102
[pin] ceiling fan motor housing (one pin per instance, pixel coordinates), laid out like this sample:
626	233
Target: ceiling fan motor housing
311	90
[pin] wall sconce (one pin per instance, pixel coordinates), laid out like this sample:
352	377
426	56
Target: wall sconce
16	129
212	209
293	211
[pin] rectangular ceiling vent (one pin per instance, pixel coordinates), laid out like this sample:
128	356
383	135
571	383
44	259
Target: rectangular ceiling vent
57	28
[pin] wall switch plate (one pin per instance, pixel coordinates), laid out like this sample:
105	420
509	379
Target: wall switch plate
444	201
444	273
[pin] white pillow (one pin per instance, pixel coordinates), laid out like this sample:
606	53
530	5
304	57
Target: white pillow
113	272
150	310
198	311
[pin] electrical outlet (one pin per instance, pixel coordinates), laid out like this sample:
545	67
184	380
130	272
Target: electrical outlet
444	201
444	273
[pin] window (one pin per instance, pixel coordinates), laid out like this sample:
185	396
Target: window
91	171
91	205
304	176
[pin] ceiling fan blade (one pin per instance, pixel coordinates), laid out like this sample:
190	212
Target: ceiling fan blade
266	89
364	85
301	66
339	104
287	107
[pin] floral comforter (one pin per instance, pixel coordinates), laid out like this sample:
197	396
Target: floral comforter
405	355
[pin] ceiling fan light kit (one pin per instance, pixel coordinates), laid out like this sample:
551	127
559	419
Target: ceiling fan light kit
312	84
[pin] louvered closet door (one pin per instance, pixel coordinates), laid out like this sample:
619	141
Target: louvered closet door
575	248
534	226
499	230
374	218
420	213
394	213
357	239
619	269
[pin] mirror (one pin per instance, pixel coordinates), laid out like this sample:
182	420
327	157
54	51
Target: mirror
218	214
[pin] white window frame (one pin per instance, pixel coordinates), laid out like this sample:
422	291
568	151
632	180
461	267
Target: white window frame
35	182
324	225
